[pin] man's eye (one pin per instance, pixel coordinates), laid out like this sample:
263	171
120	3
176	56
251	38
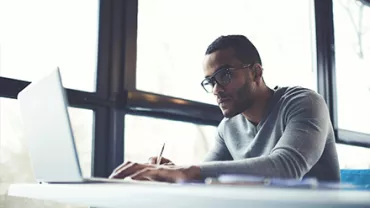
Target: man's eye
222	76
208	82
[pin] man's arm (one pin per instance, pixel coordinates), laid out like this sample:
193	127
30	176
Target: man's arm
299	148
219	151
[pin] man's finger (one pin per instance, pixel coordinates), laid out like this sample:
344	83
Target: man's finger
157	174
152	160
141	175
121	170
169	164
128	170
125	164
122	165
142	179
164	161
148	173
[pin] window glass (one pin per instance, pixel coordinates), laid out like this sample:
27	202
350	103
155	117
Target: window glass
352	157
173	37
186	143
40	35
82	121
352	56
15	164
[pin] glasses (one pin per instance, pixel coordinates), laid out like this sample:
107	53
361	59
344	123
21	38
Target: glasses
222	77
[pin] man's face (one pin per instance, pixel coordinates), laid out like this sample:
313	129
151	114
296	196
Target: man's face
239	93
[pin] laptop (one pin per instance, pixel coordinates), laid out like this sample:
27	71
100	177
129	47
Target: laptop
49	136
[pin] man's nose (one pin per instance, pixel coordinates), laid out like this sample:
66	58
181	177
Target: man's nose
217	88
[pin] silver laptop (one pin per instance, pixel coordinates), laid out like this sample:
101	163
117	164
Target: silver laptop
48	132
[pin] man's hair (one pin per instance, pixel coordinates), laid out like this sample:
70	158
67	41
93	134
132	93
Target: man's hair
244	49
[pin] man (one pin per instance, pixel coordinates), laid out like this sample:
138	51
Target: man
281	132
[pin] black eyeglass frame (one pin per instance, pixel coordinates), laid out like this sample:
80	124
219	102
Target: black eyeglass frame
212	80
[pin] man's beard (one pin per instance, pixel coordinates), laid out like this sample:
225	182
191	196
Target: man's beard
244	100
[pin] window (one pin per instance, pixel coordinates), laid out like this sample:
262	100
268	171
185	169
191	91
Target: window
15	164
352	157
172	42
43	35
186	143
83	129
352	56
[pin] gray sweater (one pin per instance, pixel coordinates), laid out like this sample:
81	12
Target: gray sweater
295	139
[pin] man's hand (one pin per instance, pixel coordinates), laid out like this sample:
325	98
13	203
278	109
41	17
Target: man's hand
164	161
129	168
172	174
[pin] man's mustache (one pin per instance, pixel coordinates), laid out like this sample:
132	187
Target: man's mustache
222	95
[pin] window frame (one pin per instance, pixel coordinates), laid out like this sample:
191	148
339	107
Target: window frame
326	72
116	94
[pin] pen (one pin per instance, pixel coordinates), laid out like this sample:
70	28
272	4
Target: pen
159	158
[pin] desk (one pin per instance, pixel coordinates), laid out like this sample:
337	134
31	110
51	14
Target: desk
162	196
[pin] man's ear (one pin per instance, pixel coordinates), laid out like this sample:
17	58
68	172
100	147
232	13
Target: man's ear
257	72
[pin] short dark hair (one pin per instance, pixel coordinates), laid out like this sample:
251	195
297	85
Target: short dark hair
244	49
